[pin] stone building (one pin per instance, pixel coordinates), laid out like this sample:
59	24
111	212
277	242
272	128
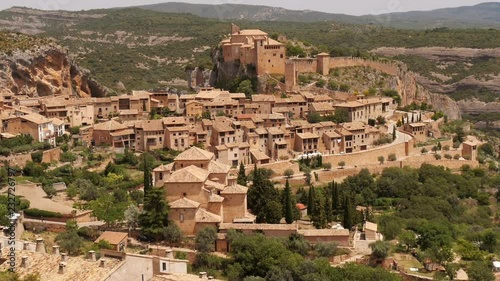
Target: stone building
201	191
254	47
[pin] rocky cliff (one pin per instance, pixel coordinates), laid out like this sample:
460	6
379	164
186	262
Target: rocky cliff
413	92
45	71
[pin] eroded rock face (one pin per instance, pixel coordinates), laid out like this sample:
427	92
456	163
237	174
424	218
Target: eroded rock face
45	71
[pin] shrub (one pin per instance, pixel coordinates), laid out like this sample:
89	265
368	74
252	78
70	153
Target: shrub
37	213
392	157
325	249
68	157
456	157
88	233
37	156
437	156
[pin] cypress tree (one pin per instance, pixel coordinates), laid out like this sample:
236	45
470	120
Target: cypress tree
348	213
311	202
335	197
318	217
393	132
242	178
148	178
328	204
288	203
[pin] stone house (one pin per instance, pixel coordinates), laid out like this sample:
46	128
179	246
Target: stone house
200	191
117	239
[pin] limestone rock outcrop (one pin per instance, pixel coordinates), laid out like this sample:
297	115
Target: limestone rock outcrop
45	71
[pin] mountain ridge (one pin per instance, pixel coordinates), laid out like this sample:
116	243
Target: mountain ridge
486	15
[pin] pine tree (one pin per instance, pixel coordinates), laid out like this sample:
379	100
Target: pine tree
288	203
242	178
348	213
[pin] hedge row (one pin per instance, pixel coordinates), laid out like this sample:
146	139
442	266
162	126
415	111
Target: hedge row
37	213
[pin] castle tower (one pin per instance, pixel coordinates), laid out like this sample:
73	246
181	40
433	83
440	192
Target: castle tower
234	28
290	75
323	63
259	56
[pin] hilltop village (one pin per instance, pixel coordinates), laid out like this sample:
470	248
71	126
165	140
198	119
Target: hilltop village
215	142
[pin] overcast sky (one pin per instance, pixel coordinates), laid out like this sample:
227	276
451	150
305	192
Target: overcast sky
352	7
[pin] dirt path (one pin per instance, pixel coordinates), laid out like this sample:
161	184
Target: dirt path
37	197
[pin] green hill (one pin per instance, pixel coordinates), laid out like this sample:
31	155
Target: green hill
481	15
145	49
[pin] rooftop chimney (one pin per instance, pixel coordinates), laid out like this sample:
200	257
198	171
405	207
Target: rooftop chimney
102	263
26	246
203	275
91	255
24	262
55	250
64	257
62	268
40	247
169	254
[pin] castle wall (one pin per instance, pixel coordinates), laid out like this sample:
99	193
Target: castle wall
306	65
387	67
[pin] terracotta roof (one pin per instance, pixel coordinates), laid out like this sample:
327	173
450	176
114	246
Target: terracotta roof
203	215
174	121
152	125
245	226
248	124
321	106
308	136
122	133
238	95
187	97
222	127
263	98
371	226
194	154
215	167
191	174
332	135
214	198
354	126
77	268
322	98
129	112
114	238
212	184
259	155
57	121
276	131
323	232
350	104
178	129
417	125
301	206
110	125
164	168
184	203
250	32
35	118
261	131
235	189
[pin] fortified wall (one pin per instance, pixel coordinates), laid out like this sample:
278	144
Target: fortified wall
408	87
